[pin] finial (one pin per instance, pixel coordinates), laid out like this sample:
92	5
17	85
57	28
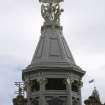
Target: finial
51	11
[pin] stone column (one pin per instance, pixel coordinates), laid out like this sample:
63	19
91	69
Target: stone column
42	82
69	91
28	93
80	85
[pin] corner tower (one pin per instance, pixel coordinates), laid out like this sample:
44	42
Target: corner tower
52	78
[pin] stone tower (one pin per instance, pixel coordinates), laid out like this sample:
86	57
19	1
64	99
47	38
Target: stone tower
94	99
52	78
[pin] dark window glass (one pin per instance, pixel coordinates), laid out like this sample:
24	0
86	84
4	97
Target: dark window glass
55	84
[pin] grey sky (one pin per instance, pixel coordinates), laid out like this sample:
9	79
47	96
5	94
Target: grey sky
84	30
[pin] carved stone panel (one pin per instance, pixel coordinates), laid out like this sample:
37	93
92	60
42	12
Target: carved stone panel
55	101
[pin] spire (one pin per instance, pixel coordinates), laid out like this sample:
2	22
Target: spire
52	49
94	99
95	94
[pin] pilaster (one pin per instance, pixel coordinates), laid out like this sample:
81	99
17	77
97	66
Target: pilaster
69	97
42	81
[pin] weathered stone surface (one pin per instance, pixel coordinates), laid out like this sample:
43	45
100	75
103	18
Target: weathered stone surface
52	49
53	78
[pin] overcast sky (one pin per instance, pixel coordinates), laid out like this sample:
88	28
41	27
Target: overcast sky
84	30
